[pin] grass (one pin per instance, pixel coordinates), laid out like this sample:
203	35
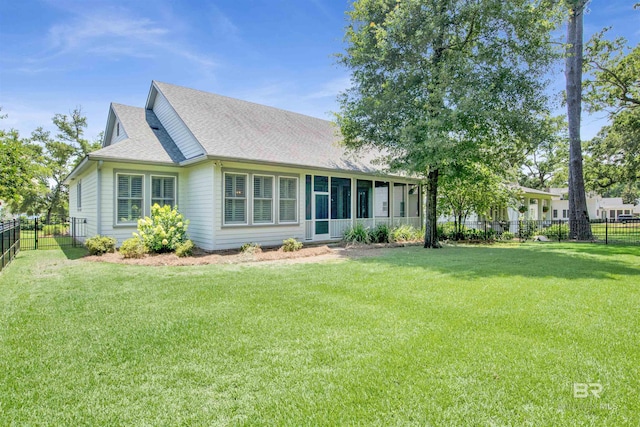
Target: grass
482	335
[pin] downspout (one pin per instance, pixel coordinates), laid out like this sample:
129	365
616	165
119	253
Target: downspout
99	198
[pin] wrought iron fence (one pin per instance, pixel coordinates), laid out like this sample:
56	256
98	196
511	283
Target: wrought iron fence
52	233
599	231
9	241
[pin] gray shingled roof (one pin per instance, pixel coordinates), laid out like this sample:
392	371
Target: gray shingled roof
144	143
231	128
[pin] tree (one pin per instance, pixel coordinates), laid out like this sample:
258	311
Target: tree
53	159
18	163
472	188
578	214
438	83
545	161
613	86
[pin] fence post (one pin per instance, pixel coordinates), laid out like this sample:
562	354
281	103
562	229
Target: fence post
35	233
606	231
73	232
2	260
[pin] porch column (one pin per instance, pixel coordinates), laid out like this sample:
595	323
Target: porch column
540	213
527	205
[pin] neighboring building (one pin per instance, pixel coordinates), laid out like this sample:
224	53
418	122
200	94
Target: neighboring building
239	171
598	207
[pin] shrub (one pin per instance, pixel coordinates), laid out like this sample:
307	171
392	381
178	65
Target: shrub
507	235
403	233
291	245
380	234
184	249
55	229
556	232
98	245
250	248
133	248
357	234
164	230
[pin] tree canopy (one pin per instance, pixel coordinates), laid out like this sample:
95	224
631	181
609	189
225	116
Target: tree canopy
436	83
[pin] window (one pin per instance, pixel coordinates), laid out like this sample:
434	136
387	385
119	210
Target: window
118	129
340	198
130	198
262	199
163	190
555	213
79	195
288	199
235	198
565	213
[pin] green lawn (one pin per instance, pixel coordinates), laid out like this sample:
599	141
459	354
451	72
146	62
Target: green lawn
480	335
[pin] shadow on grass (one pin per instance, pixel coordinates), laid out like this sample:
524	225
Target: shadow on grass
544	260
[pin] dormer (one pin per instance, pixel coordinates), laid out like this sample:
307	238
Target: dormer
114	131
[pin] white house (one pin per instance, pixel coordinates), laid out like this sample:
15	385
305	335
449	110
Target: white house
598	207
239	171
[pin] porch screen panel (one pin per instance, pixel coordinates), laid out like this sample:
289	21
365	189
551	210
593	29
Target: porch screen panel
163	190
262	199
381	208
414	201
340	198
364	208
288	199
235	198
307	198
398	200
129	198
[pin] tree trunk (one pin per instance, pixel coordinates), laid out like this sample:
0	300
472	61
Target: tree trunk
431	224
578	214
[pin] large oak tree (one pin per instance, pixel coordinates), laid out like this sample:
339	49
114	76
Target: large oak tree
438	83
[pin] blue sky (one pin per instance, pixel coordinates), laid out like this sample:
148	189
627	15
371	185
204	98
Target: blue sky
59	54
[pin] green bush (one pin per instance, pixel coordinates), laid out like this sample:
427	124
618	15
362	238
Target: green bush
291	245
404	233
55	230
357	234
380	234
556	232
133	248
185	249
164	230
507	235
98	245
250	248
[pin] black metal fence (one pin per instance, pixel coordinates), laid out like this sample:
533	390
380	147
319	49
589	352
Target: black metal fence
9	241
52	233
598	231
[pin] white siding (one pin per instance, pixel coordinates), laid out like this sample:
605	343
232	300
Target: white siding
176	129
89	195
230	237
198	205
108	220
117	136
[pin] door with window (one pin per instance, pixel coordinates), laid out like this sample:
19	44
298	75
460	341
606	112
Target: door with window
321	208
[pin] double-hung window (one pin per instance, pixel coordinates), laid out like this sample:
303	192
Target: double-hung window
163	190
262	199
130	196
288	192
235	198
